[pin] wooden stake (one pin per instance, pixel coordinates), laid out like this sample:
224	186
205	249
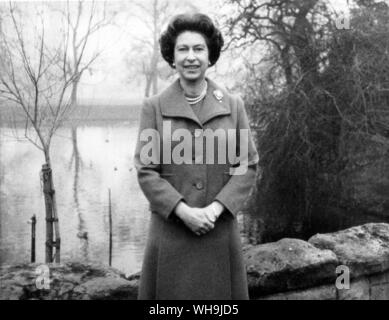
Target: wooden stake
110	227
51	216
33	225
56	225
48	204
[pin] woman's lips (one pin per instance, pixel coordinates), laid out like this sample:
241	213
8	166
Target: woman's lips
192	67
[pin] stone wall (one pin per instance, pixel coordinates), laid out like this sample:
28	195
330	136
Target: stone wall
292	269
289	269
69	281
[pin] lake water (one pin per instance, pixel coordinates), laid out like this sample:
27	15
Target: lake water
86	160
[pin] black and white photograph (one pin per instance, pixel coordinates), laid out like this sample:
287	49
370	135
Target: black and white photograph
197	150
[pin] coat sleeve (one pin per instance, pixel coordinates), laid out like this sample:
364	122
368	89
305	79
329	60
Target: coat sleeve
235	192
162	196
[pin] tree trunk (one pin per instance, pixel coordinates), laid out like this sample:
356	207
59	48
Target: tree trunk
148	86
154	62
155	82
74	92
53	240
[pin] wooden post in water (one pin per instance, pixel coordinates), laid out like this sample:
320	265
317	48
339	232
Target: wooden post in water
48	204
57	243
51	216
33	225
110	227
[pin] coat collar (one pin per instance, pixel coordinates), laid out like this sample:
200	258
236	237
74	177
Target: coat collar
174	104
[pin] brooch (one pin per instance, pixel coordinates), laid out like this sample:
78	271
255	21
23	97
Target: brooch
218	95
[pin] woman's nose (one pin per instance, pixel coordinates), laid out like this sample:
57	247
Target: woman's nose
191	55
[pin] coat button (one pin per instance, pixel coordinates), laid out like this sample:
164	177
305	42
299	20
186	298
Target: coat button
199	185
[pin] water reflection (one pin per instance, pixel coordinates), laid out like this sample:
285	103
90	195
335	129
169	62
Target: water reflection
82	234
86	160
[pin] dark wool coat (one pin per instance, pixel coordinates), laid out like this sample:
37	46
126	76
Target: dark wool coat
178	264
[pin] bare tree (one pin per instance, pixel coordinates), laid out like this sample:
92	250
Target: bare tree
316	89
38	76
83	18
144	57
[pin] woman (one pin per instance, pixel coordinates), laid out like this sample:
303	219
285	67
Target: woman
194	188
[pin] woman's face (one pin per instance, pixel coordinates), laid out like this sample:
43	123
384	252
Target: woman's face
191	56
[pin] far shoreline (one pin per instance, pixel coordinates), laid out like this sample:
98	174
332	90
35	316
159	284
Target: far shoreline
83	115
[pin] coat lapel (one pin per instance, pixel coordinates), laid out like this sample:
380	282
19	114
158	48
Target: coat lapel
215	103
174	104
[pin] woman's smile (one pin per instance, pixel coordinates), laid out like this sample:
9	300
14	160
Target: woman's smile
191	67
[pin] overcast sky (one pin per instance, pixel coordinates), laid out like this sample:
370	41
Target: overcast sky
107	82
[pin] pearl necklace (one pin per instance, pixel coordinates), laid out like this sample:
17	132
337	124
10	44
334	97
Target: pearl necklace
198	98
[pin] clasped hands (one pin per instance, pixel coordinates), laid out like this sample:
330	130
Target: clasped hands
199	220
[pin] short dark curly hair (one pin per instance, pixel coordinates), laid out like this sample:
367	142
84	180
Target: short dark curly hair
197	22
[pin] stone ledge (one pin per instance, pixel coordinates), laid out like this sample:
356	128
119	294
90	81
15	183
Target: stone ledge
364	249
325	292
288	264
379	286
359	290
69	281
289	269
